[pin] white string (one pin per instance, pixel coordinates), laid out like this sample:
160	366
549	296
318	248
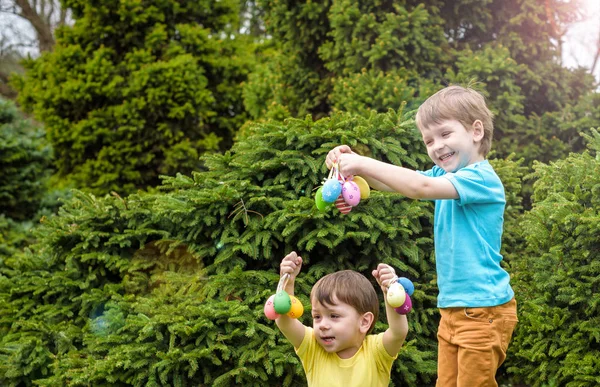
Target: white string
332	170
283	282
341	176
390	282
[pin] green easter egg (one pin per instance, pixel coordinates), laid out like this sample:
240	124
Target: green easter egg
282	302
321	204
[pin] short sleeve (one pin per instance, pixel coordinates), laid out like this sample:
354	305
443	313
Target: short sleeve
477	186
306	347
428	173
384	359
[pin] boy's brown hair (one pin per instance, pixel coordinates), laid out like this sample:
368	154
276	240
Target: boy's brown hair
349	287
462	104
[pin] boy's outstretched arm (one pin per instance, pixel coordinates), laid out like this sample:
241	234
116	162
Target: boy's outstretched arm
291	328
333	156
389	177
394	336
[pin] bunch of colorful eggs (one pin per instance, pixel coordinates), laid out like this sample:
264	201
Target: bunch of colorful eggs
398	295
282	303
341	192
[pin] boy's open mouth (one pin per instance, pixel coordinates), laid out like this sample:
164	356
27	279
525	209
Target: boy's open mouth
328	339
446	156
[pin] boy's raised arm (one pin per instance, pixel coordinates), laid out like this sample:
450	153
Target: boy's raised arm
394	336
291	328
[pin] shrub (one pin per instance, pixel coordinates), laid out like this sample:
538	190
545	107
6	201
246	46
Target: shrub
25	159
557	340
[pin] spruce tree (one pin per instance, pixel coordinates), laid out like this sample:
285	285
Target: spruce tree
372	90
138	89
557	275
320	47
25	159
168	288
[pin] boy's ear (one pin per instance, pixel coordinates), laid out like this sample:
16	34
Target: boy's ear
365	322
478	131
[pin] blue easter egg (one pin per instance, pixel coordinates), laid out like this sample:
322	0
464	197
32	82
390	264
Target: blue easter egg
331	190
407	285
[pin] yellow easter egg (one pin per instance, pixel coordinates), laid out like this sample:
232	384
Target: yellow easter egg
297	308
396	295
365	190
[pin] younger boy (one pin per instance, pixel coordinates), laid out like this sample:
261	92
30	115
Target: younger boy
338	350
476	301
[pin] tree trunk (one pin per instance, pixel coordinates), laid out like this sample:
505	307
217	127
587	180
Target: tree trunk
42	26
42	17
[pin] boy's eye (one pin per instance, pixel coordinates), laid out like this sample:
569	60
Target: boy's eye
445	134
334	316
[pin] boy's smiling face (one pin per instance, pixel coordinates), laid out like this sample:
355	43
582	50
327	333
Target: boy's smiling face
339	328
451	146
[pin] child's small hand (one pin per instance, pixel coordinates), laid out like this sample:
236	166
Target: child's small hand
334	154
349	164
384	274
291	264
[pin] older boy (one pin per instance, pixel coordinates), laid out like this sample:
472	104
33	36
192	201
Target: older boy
477	305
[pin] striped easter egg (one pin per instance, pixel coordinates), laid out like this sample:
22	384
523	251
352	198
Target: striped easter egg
341	205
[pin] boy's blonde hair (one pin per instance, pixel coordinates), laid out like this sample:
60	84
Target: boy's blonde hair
462	104
349	287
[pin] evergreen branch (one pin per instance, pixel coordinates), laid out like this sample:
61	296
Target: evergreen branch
240	206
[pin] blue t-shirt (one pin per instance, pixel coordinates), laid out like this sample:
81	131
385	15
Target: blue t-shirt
467	237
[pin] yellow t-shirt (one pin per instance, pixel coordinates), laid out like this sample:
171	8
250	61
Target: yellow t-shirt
370	366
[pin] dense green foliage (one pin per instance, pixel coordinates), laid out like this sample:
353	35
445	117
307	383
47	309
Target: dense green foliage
166	287
138	89
14	236
25	159
557	277
322	46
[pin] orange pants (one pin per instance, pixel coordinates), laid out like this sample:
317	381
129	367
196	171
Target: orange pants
472	344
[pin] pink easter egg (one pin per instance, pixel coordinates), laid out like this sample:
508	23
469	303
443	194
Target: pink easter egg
341	205
406	307
351	193
270	309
